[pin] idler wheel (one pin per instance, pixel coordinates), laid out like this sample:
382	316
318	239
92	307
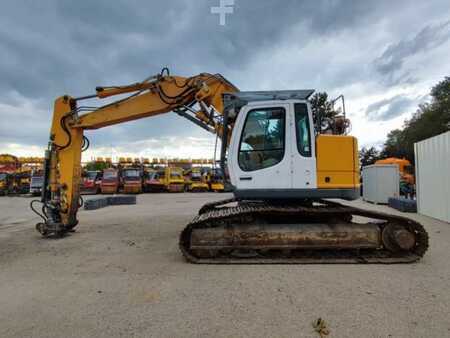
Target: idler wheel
396	238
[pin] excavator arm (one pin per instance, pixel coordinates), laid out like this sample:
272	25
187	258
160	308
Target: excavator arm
198	98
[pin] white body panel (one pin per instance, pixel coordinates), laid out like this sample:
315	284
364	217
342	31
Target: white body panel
292	172
433	176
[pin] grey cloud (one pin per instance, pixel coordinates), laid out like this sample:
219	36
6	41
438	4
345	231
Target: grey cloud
71	46
388	109
23	124
389	64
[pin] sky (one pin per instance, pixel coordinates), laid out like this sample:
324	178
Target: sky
383	56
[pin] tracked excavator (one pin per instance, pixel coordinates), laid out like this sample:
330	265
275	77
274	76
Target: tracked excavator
284	165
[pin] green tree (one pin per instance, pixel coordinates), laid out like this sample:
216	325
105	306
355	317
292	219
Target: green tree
368	156
321	106
394	145
93	166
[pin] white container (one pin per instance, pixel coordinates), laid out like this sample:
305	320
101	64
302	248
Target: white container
433	176
380	181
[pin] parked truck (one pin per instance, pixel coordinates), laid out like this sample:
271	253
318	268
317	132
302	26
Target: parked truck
91	182
153	180
157	181
110	181
216	180
131	180
174	179
4	183
37	180
195	181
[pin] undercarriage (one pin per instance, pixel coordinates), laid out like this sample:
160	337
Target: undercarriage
252	232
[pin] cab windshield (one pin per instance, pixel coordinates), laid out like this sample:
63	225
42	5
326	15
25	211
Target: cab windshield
196	176
149	174
91	175
109	174
131	173
37	179
175	174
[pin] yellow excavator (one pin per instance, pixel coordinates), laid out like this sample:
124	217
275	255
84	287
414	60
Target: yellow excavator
284	165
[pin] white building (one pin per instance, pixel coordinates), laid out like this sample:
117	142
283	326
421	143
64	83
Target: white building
433	176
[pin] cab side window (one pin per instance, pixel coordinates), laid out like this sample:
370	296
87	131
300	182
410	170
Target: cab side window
302	129
262	139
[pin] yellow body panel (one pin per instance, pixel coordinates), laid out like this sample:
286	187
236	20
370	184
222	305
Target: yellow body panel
337	162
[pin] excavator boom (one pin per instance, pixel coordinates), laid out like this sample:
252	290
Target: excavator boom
198	98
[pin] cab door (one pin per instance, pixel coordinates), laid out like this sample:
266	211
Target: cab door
303	171
261	148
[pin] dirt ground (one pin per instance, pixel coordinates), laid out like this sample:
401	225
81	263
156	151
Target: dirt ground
121	274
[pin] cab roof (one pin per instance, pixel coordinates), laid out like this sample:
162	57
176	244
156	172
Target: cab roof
239	99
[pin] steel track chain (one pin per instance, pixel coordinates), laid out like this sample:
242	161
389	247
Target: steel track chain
216	214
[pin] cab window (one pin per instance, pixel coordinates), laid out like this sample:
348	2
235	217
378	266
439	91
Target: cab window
262	139
302	129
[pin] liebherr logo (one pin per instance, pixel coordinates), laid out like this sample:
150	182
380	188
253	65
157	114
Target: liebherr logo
225	7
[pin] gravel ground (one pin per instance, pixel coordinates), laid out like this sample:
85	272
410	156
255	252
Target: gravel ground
121	274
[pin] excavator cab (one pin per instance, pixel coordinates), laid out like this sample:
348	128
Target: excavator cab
275	152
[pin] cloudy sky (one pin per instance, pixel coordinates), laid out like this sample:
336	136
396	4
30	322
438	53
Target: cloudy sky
384	56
